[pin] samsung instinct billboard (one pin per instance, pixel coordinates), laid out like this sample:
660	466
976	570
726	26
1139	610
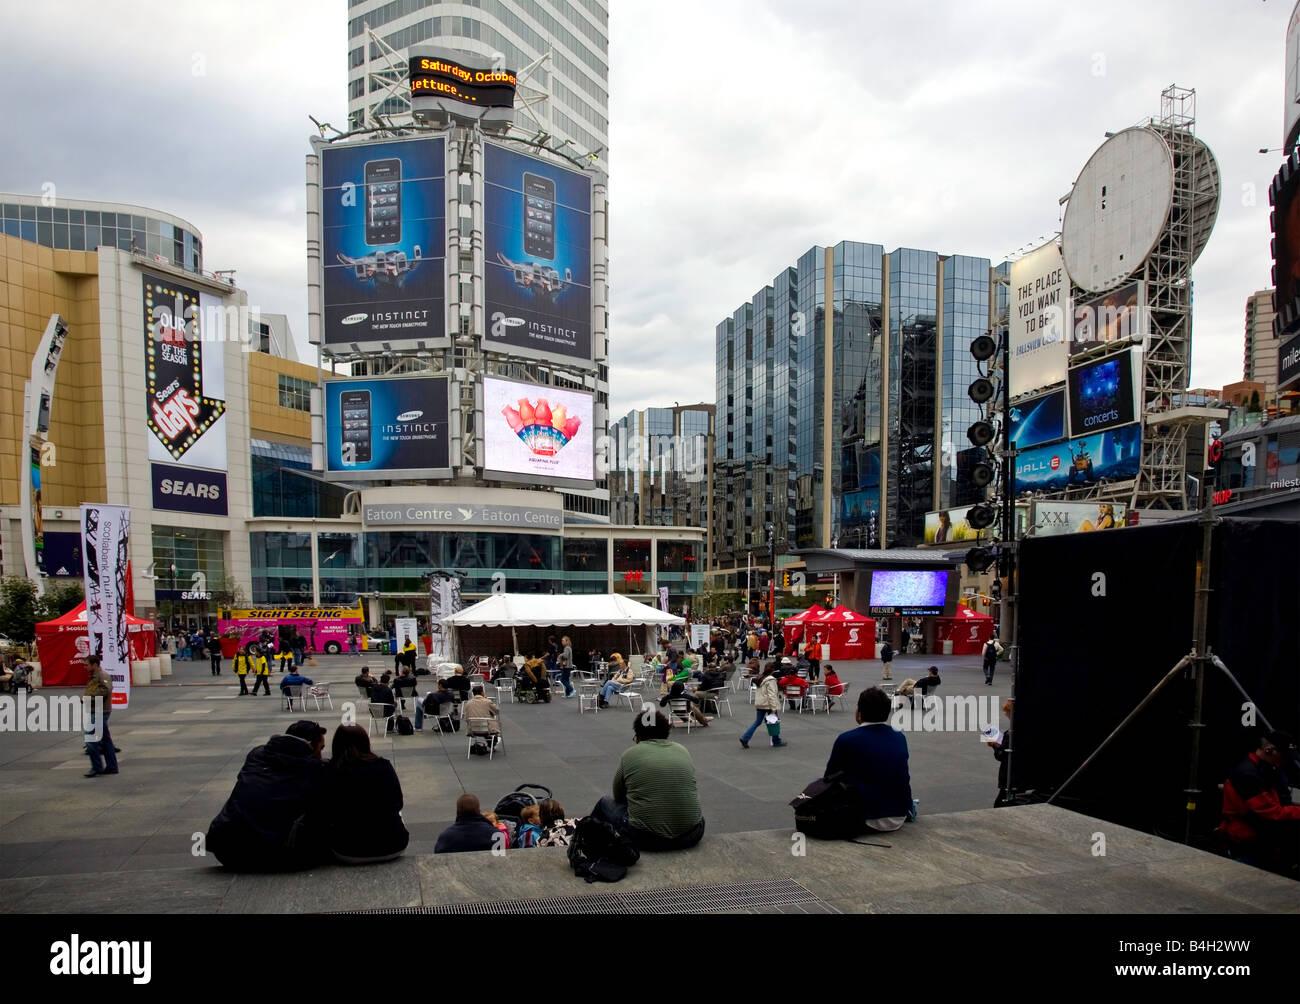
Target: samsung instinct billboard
537	257
387	427
537	432
383	246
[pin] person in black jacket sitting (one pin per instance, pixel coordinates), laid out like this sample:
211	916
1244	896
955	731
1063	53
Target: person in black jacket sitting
277	784
678	692
441	704
874	759
406	684
471	831
458	684
382	693
357	814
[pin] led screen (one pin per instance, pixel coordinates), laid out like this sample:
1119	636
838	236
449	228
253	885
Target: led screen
908	592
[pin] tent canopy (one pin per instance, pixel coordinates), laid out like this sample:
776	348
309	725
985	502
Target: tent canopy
62	646
966	613
814	613
531	610
843	615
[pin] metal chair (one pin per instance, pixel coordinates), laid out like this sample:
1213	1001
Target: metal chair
505	688
718	698
631	693
819	694
481	728
380	713
680	712
292	696
321	692
842	698
588	696
793	695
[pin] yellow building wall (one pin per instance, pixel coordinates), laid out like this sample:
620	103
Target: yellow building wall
266	418
36	282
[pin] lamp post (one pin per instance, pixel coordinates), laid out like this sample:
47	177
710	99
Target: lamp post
835	596
771	561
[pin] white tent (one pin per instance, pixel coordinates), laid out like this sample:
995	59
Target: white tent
516	610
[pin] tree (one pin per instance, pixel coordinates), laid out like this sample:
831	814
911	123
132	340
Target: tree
227	593
58	600
1254	401
18	609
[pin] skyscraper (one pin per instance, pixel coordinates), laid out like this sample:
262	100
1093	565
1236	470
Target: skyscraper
515	33
861	445
1260	363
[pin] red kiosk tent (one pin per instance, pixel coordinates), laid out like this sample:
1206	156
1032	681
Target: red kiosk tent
793	628
969	631
843	634
62	646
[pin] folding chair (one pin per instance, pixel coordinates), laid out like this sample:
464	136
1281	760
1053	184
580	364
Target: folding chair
380	713
292	696
680	712
321	692
481	728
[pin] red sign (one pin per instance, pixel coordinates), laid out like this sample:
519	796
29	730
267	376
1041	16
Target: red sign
1056	463
633	576
1223	496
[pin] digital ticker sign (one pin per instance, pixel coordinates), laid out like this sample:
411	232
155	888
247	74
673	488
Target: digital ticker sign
443	78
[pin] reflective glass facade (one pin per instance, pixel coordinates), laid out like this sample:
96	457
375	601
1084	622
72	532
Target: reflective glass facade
86	229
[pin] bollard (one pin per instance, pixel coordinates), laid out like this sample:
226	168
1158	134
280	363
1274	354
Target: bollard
165	661
140	673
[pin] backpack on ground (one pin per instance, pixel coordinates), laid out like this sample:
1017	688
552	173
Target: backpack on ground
519	799
828	809
404	726
600	853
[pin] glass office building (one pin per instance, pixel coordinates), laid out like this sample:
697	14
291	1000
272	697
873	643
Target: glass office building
862	460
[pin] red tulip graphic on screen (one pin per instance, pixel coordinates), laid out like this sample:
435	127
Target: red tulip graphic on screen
543	428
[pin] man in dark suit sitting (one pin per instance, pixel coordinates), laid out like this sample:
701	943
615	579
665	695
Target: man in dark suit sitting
873	759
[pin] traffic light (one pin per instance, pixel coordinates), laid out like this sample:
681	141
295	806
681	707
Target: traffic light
785	580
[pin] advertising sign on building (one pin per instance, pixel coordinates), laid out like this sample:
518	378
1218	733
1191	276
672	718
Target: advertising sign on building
949	525
1039	318
185	390
438	77
1053	518
537	255
1288	363
387	427
1291	97
105	534
383	246
1038	420
1114	455
1116	316
537	432
1101	395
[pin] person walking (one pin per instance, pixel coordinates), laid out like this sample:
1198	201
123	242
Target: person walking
99	691
991	652
261	670
886	661
766	702
352	645
242	663
214	650
565	663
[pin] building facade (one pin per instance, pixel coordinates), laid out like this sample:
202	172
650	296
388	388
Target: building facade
847	424
1260	363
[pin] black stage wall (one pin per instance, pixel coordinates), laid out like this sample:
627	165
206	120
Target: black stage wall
1104	616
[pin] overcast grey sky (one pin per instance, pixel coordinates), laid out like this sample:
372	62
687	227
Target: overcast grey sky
742	133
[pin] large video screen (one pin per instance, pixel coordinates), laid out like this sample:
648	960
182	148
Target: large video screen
911	593
537	254
537	432
1101	395
1038	420
387	427
383	215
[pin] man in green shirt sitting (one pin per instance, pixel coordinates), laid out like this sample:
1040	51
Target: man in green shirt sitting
656	801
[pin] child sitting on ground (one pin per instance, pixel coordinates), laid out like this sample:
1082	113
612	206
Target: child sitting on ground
491	817
530	826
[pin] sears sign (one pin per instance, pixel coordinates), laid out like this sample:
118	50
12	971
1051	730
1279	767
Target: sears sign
187	489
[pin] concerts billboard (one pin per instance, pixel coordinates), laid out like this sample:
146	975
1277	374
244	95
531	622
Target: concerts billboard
383	242
537	257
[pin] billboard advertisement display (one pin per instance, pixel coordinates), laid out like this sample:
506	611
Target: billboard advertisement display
1113	455
387	427
445	78
1115	316
1038	420
537	256
105	534
1101	395
537	432
1288	363
1039	309
383	215
911	593
948	525
858	507
1053	518
1291	96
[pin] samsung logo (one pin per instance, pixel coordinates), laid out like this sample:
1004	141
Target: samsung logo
409	416
355	318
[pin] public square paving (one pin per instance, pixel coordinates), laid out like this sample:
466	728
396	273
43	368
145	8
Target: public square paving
184	740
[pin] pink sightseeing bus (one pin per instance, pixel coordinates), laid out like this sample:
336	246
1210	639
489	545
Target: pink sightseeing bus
325	628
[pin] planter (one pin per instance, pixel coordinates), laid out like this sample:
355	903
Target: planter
229	648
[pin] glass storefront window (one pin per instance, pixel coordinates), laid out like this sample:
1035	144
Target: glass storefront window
342	561
631	566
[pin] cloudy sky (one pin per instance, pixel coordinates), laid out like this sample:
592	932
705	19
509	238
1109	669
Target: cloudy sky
743	133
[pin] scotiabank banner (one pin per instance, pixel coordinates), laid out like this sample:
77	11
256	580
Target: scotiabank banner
187	489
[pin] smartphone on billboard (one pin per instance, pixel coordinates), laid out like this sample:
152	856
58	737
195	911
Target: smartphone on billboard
539	217
384	201
355	406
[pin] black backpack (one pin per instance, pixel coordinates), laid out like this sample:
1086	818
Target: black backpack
404	726
829	809
600	853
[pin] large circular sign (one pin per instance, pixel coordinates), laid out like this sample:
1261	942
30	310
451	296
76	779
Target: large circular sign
1118	209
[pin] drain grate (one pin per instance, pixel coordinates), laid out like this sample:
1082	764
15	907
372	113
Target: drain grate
772	896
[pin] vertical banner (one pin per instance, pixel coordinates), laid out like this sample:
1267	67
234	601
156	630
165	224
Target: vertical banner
105	531
38	525
699	635
444	600
663	598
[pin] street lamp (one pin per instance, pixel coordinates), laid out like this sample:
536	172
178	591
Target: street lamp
835	596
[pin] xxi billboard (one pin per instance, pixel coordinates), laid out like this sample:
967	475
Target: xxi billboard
387	427
383	214
537	256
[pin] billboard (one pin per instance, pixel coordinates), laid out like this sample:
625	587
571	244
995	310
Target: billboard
537	432
537	257
1291	96
383	216
384	427
436	77
1054	518
1101	395
948	525
911	593
859	506
1039	308
1288	362
38	520
1114	455
1115	316
1038	420
105	533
